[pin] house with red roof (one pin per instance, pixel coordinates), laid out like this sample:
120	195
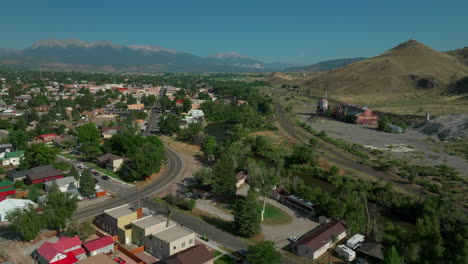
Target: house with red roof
320	239
67	250
47	138
99	245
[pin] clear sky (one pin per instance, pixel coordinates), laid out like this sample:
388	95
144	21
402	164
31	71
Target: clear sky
305	31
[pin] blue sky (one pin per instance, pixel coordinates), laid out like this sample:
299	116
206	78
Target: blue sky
305	31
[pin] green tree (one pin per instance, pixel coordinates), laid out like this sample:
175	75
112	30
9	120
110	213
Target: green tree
90	149
166	103
131	99
26	222
191	133
74	173
186	105
87	184
88	133
263	253
224	178
392	256
84	229
247	217
303	154
39	154
58	209
203	176
263	180
169	124
209	146
19	138
33	193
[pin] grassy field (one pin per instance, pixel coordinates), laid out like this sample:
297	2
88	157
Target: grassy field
70	156
275	216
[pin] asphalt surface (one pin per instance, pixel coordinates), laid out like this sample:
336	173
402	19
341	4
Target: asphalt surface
202	228
131	195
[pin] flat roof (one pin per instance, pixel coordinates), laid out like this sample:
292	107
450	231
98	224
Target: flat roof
149	221
172	233
120	211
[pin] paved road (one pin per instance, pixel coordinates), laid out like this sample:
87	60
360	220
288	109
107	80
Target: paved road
200	227
173	169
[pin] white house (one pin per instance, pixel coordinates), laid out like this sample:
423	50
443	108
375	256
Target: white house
5	148
64	184
12	158
9	205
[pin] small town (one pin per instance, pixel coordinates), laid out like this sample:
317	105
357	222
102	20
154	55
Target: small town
208	132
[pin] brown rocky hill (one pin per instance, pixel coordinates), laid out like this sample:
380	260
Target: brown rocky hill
460	54
408	68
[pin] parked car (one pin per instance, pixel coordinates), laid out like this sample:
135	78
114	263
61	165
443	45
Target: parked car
205	238
243	252
361	261
188	194
119	260
105	177
293	239
81	166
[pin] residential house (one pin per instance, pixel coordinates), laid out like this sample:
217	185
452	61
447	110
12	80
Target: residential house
12	158
108	132
42	108
98	259
66	250
169	241
241	176
63	184
145	226
16	175
6	188
100	245
9	113
7	205
65	141
118	221
45	138
43	174
198	254
319	240
5	148
111	162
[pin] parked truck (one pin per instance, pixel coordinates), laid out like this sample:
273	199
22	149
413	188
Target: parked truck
355	241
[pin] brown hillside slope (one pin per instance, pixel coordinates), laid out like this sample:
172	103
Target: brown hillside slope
460	54
409	68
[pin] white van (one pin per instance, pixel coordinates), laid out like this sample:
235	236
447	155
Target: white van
345	253
355	241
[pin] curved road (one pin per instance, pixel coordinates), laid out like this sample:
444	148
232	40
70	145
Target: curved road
173	168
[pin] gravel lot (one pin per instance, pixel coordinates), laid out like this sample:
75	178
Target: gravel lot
370	136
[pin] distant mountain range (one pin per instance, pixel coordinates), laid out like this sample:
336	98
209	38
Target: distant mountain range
74	54
325	65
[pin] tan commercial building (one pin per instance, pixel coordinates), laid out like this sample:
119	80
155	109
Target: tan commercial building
169	241
146	226
118	221
136	106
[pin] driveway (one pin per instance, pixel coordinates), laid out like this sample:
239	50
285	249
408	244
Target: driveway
208	206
